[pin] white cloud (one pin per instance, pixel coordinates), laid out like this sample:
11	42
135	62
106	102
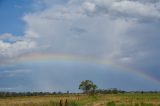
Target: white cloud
89	6
11	45
6	36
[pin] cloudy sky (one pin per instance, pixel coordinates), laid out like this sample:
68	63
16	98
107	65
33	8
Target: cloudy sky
52	45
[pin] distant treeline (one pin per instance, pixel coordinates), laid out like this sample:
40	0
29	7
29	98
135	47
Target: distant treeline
16	94
110	91
116	91
99	91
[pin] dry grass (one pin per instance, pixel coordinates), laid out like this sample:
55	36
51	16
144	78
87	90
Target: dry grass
36	100
84	100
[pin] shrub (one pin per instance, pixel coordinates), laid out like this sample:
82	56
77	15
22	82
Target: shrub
111	103
75	103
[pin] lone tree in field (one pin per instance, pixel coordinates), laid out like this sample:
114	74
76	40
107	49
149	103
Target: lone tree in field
88	86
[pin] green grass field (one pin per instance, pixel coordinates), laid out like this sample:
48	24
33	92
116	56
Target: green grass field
85	100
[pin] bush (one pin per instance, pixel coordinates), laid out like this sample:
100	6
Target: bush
74	103
111	103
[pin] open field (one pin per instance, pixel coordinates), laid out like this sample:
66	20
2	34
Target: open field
84	100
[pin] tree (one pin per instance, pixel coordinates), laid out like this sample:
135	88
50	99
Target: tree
88	86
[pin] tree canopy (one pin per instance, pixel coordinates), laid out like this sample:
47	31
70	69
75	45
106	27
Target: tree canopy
87	86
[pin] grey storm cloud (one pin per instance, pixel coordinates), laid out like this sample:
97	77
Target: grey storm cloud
113	32
128	9
124	31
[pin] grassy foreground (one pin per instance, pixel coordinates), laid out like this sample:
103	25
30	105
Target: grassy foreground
84	100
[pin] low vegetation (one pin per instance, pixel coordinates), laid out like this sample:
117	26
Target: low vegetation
127	99
91	96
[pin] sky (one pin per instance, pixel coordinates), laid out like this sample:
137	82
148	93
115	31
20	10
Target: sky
53	45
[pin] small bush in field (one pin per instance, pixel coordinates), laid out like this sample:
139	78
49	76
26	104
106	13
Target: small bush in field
74	103
111	103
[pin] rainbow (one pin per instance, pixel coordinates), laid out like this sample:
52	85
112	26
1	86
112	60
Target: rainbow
50	57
